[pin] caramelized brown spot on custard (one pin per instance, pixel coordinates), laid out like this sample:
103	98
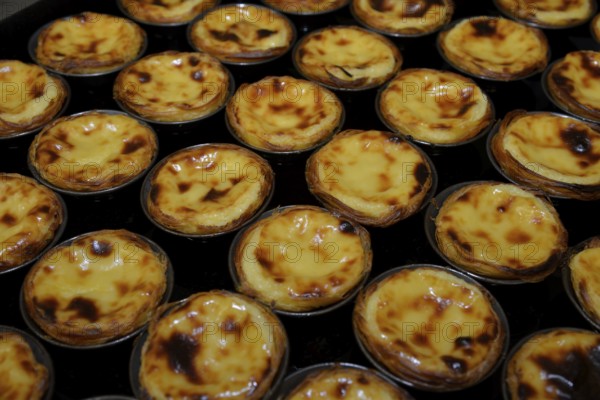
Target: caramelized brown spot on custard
27	365
579	143
183	187
8	219
143	77
588	63
45	209
421	174
484	339
264	258
281	107
131	146
215	195
525	391
518	237
224	36
465	197
230	326
181	349
454	237
122	288
198	76
193	61
485	27
91	47
574	373
341	389
463	341
577	140
348	228
84	308
101	248
52	155
455	364
264	33
381	5
48	308
421	339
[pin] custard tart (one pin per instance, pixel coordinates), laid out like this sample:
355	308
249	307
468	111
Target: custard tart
375	178
96	288
173	87
165	12
89	43
431	328
242	34
559	363
306	7
494	48
301	258
347	57
552	14
283	114
352	381
403	18
31	97
435	107
572	83
555	153
31	219
22	375
500	231
582	273
92	152
218	345
207	189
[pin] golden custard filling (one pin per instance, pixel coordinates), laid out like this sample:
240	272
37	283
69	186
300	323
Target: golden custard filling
500	231
549	13
302	258
561	363
431	328
495	48
89	43
585	278
22	377
93	151
173	86
242	33
347	383
574	83
166	12
218	344
347	57
560	149
373	177
101	286
30	217
435	106
404	17
306	6
30	97
208	189
283	114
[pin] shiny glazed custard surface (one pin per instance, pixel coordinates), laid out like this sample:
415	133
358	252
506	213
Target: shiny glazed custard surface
302	258
430	327
197	345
